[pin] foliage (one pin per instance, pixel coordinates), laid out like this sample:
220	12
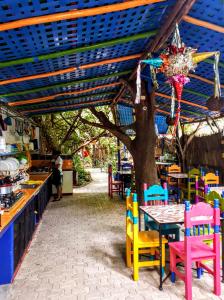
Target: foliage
83	175
208	127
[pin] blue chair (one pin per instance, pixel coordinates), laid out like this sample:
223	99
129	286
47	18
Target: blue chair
156	195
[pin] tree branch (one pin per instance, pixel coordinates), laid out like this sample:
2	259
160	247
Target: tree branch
70	130
191	136
106	124
90	141
66	121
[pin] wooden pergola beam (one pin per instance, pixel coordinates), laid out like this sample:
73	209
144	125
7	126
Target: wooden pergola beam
65	106
204	79
183	101
56	108
75	50
71	69
52	97
76	14
64	84
204	24
168	113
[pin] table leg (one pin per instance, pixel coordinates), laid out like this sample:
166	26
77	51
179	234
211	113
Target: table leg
160	259
222	233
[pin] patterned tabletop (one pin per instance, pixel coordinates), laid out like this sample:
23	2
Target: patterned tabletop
178	175
218	189
165	214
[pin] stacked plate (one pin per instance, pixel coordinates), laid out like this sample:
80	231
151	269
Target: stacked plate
9	165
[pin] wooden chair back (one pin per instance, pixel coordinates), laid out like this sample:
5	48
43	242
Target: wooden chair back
199	220
132	215
211	179
174	169
155	195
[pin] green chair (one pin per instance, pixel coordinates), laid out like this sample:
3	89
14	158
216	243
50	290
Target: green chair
189	191
211	196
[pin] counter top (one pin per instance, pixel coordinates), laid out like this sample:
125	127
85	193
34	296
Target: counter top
7	217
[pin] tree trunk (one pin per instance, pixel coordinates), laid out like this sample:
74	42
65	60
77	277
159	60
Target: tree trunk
143	147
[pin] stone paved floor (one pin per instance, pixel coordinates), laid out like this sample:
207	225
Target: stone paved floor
78	253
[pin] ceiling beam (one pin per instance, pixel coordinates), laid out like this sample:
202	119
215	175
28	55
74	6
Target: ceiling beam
203	79
64	84
183	101
76	14
71	69
204	24
65	106
52	97
168	113
56	108
74	50
164	104
66	101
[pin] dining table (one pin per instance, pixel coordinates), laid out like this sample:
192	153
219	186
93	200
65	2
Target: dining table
172	214
179	177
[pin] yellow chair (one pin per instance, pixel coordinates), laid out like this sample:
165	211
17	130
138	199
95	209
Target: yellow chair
202	185
140	242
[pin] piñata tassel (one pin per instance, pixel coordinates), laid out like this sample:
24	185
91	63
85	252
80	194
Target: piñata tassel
138	84
217	87
172	109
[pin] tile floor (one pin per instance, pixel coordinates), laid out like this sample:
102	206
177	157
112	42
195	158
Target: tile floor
78	253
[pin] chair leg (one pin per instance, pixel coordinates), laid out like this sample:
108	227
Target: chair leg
135	263
163	258
217	279
172	265
128	252
199	270
188	281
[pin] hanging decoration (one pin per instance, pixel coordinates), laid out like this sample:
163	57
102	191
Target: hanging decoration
154	63
178	62
216	102
199	57
175	62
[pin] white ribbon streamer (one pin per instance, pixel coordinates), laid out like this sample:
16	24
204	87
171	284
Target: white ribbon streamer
138	84
217	87
172	108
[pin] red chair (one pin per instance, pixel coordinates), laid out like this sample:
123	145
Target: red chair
114	186
194	249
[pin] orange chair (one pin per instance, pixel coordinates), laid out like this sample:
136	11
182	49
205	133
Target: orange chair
172	169
114	186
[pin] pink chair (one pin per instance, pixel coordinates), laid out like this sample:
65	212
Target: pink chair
193	249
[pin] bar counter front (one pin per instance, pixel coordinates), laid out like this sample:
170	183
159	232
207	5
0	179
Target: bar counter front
18	225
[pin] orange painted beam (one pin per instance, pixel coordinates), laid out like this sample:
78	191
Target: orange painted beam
75	14
183	101
47	98
64	106
203	24
203	79
72	69
168	113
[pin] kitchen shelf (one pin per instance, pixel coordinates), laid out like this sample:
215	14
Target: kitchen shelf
18	152
10	153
